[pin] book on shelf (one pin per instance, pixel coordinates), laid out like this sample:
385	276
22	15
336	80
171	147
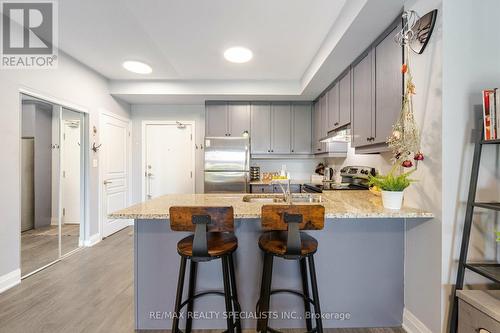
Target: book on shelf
491	119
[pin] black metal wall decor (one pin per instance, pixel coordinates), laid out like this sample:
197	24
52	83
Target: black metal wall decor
416	30
422	31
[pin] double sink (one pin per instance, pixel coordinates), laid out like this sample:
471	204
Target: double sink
280	198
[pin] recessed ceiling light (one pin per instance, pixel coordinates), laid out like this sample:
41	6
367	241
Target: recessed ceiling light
137	67
238	54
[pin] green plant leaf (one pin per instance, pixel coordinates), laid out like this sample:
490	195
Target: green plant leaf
392	182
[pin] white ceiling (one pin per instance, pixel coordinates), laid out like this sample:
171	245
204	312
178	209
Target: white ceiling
299	46
185	39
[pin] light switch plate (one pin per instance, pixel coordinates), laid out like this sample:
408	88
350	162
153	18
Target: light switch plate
94	162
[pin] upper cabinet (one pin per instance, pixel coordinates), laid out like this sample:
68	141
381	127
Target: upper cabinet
227	119
362	101
377	88
260	125
216	123
388	86
238	118
280	128
301	128
333	107
345	95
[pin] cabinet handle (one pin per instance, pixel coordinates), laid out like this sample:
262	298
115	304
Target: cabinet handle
368	139
292	150
335	124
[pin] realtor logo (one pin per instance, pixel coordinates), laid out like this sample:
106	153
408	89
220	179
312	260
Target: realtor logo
28	34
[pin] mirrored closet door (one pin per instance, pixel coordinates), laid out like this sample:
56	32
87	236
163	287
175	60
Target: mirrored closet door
52	182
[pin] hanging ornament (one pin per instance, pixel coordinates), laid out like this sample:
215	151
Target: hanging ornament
404	141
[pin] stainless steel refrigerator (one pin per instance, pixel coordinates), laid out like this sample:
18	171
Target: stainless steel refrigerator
227	164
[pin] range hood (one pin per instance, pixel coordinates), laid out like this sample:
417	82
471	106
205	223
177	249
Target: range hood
341	135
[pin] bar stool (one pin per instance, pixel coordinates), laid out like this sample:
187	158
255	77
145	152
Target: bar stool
213	238
285	240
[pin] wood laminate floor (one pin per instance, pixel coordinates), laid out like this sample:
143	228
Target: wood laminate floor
40	246
90	291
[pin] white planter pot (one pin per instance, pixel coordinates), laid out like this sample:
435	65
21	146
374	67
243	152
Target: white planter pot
392	200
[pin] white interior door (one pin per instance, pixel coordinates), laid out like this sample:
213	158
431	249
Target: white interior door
71	173
115	160
169	158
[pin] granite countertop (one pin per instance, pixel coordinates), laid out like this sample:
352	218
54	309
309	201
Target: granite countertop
487	301
338	204
268	182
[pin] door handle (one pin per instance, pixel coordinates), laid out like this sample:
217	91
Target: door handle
106	182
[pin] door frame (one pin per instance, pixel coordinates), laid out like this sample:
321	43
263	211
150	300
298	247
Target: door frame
60	103
101	189
143	147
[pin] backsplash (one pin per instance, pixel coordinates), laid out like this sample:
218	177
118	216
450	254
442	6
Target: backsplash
301	169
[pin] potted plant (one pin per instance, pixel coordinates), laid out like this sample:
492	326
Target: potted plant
392	186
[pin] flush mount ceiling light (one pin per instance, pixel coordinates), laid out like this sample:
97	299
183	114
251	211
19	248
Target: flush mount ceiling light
137	67
238	54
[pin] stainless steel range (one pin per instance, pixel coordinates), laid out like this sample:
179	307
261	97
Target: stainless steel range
353	178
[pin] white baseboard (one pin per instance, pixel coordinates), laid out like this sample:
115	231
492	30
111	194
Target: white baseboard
93	240
10	280
412	324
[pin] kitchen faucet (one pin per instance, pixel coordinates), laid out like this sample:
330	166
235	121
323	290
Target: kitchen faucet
287	193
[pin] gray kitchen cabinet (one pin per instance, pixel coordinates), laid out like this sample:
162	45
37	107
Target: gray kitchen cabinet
362	101
216	120
344	99
323	104
316	144
333	107
261	189
281	124
238	118
227	119
301	128
260	125
388	86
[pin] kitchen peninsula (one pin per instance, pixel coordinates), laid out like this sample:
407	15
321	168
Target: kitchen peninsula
360	261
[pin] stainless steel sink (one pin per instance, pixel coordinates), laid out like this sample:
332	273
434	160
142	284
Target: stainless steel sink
307	198
296	198
264	198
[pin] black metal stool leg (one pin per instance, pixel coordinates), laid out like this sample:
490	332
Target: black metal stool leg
261	294
178	296
305	290
191	292
314	286
227	294
234	291
264	305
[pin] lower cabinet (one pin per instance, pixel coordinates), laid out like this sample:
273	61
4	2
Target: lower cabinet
272	188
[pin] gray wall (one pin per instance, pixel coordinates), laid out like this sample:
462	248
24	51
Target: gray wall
141	113
76	85
471	63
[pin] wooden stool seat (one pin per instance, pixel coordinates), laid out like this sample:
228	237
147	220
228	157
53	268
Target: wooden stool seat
218	244
274	242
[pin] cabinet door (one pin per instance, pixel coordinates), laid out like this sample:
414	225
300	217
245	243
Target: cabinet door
301	129
239	118
333	108
388	86
316	145
281	128
216	120
323	104
362	102
260	126
345	99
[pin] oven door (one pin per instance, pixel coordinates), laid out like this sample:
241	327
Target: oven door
308	188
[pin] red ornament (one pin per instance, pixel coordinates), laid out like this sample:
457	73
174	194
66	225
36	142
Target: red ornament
407	164
404	68
419	157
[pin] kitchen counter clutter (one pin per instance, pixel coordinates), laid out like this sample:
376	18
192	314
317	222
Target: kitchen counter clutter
338	204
